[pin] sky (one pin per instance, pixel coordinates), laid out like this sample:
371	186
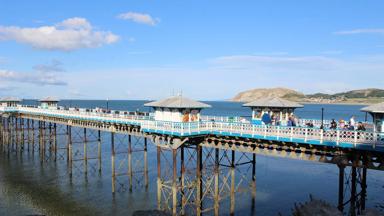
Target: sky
207	50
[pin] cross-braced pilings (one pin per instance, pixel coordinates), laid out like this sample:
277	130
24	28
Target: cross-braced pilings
197	180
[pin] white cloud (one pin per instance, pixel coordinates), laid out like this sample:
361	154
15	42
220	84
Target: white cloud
361	31
70	34
139	18
37	78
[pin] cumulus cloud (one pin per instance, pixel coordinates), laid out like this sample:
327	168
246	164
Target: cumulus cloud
38	78
70	34
139	18
361	31
53	66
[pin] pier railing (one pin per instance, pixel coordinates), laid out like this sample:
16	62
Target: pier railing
327	123
267	132
314	135
95	116
221	118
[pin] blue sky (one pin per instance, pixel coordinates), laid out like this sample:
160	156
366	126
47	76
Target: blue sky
206	49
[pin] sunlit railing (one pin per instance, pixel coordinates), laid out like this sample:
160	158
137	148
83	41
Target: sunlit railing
221	118
327	123
305	134
77	114
219	126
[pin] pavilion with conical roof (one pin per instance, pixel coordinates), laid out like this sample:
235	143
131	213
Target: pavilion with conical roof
49	102
377	113
177	109
9	101
280	108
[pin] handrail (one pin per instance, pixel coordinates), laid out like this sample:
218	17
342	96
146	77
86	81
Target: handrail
206	127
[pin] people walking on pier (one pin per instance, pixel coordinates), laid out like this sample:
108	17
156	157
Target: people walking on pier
333	124
361	126
352	123
266	119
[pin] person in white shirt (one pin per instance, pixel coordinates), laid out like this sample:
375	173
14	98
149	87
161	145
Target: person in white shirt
352	122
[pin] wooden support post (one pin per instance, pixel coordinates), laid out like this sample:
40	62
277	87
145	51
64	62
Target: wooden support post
341	187
130	172
50	137
28	134
99	149
159	185
16	141
22	127
199	185
85	151
55	141
113	162
42	141
253	183
10	134
217	172
182	187
146	163
364	188
33	137
232	192
69	150
174	182
353	191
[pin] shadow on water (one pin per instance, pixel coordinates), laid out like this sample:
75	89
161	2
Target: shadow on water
45	199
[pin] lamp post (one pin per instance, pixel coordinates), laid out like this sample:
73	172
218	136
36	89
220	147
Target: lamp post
322	118
366	116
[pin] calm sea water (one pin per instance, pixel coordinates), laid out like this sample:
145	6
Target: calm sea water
27	187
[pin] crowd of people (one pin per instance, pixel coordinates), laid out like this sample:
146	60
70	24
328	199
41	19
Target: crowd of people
294	121
350	125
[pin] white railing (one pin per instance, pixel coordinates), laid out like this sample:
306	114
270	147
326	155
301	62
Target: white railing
221	118
305	134
327	123
84	115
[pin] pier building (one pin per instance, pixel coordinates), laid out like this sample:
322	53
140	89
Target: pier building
49	103
377	113
10	102
177	109
274	108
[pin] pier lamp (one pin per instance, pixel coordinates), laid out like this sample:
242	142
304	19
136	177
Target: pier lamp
322	118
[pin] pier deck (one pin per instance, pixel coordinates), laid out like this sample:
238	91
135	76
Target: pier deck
348	139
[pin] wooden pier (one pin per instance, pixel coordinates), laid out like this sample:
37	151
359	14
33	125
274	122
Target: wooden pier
196	160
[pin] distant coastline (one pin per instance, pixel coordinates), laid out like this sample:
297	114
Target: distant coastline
355	97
